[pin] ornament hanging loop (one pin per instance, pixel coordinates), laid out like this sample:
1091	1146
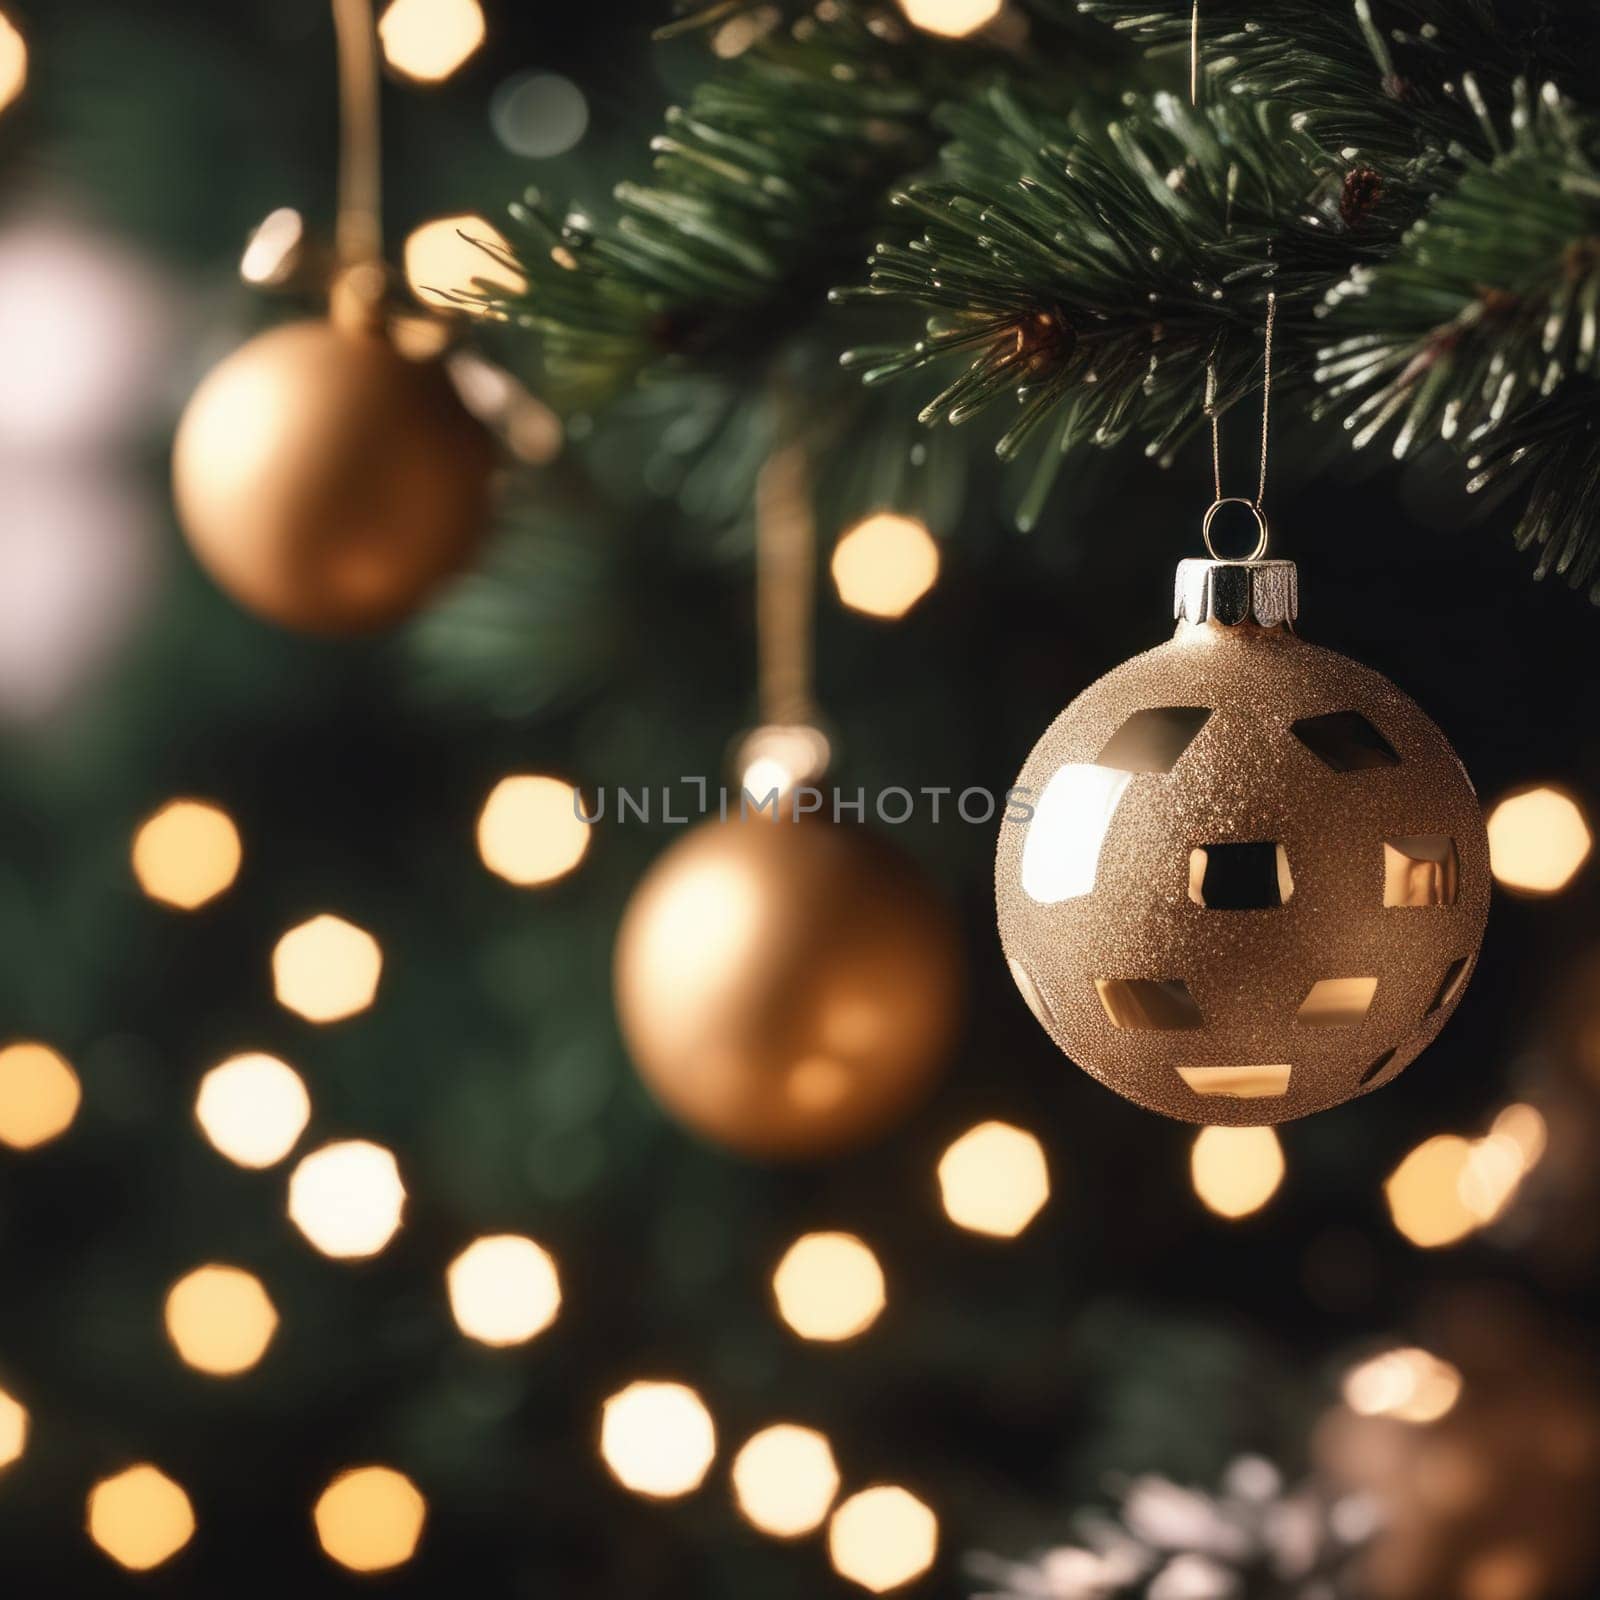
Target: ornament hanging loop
1254	508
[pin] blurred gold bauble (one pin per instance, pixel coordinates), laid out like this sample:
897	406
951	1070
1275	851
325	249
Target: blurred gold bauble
786	988
1495	1499
328	482
1256	876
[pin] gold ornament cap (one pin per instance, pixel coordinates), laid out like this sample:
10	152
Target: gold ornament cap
1266	593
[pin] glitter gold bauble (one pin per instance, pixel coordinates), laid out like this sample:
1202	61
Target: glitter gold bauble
786	988
1255	877
328	482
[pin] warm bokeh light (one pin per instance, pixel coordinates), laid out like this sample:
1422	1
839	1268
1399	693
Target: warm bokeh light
829	1286
503	1289
882	1537
274	248
326	969
186	854
13	61
1425	1192
140	1517
428	39
1525	1127
775	757
1537	840
253	1108
1236	1170
658	1439
445	261
370	1519
347	1198
220	1319
952	19
784	1480
885	564
529	831
39	1095
13	1429
1409	1385
1494	1168
993	1180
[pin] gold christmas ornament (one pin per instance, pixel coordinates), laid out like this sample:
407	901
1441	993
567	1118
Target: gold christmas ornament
786	988
1255	876
326	481
328	478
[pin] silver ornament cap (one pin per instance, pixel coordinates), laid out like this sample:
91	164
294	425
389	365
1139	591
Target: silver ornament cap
1266	593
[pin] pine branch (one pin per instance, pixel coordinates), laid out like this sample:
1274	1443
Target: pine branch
1088	278
536	627
766	188
1489	308
1553	447
1399	78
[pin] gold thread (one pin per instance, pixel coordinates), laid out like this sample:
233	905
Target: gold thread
786	562
1194	55
1209	405
359	231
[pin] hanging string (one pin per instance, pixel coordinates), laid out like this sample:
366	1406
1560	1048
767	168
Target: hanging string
1210	402
359	232
1194	55
786	563
1266	408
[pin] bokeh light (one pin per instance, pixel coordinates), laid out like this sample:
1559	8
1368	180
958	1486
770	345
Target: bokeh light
784	1480
1425	1193
885	564
253	1108
273	251
829	1286
1236	1170
428	39
80	559
951	19
39	1095
1449	1187
326	969
529	831
445	262
1525	1127
882	1537
140	1517
370	1519
13	61
994	1180
220	1319
503	1289
89	329
347	1198
1409	1385
658	1439
538	114
186	854
1537	840
776	756
13	1429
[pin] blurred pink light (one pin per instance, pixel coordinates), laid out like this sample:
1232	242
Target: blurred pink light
78	558
87	329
